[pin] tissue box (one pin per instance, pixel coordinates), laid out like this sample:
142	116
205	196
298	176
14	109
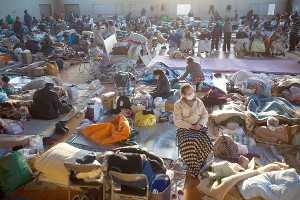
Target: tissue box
25	58
107	100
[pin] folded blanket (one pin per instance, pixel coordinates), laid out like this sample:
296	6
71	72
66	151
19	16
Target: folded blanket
107	133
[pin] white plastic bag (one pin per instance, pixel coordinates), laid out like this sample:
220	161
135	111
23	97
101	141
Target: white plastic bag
160	104
36	142
72	92
98	109
95	85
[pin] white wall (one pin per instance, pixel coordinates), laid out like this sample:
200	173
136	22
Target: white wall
32	6
200	8
296	6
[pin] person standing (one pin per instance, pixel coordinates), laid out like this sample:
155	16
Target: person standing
18	29
194	70
227	29
9	19
293	32
143	12
28	21
190	116
216	34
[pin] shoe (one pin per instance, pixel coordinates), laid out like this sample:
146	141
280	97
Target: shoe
59	129
63	123
88	159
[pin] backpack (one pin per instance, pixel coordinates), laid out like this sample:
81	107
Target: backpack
122	79
123	102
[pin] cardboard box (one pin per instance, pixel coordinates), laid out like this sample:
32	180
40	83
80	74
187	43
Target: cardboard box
107	100
25	58
169	105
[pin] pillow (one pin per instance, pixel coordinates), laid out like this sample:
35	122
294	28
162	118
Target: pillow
51	163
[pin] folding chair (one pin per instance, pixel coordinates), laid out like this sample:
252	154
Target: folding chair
134	186
74	168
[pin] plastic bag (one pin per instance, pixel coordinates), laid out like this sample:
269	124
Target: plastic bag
95	85
52	68
3	96
36	142
14	128
14	171
72	92
144	120
160	104
98	109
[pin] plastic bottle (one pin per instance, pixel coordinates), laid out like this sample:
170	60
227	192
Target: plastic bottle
160	183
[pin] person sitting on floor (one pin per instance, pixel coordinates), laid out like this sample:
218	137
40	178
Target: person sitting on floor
174	41
204	44
242	42
195	71
31	45
46	104
190	116
98	39
7	87
163	85
47	44
187	43
279	42
258	45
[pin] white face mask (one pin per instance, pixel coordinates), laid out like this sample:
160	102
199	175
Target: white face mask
190	97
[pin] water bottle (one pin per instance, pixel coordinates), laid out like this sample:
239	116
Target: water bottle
160	183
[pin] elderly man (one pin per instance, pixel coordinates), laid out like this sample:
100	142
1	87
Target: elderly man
194	70
279	42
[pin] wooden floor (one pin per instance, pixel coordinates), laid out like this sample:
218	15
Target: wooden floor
71	75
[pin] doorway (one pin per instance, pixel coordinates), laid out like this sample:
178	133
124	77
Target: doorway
72	8
45	9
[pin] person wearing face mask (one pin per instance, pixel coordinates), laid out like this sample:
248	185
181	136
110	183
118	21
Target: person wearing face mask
194	70
163	85
190	116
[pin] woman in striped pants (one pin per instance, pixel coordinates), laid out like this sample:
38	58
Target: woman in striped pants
190	116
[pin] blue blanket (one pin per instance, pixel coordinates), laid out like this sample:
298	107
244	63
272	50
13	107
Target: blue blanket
264	107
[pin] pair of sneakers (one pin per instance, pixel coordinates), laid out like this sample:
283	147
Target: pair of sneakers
61	128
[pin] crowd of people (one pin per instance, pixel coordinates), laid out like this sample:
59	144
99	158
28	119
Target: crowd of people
249	33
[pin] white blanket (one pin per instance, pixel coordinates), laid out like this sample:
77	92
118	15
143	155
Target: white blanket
275	185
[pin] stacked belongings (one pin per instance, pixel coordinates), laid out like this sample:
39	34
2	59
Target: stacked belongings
128	51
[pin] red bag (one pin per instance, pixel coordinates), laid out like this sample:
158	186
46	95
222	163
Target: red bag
214	96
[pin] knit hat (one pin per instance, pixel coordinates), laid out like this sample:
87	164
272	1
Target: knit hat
272	123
